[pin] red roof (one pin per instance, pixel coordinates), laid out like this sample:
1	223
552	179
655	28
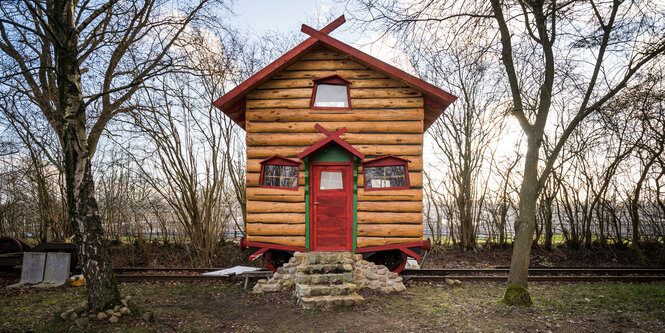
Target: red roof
232	103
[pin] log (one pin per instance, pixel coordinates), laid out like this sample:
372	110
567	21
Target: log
274	207
382	217
378	241
281	240
308	139
271	194
415	179
345	73
268	229
252	179
355	83
296	103
324	54
352	127
371	150
309	65
390	230
307	114
356	92
410	102
276	217
357	103
405	195
390	206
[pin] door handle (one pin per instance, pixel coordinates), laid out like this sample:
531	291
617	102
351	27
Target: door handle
316	203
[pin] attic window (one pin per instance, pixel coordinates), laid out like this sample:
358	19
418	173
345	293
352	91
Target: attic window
279	172
331	92
386	173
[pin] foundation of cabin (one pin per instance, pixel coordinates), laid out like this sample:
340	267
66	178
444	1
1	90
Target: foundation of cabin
330	279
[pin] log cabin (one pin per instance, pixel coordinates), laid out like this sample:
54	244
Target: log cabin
334	153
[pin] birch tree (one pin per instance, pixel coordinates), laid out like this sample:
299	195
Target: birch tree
80	63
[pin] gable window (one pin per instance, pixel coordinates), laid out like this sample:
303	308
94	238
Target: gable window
331	92
386	173
279	172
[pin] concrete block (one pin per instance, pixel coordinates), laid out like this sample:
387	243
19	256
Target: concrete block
56	270
32	270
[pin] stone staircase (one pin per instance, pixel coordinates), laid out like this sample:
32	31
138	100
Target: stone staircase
325	280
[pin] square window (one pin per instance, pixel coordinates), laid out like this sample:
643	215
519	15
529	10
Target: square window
386	173
331	92
331	180
330	95
279	172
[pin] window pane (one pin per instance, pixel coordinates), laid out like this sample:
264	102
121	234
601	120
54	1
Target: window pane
331	180
385	176
329	95
280	176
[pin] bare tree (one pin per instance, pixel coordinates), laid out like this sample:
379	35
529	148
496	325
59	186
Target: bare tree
54	47
545	47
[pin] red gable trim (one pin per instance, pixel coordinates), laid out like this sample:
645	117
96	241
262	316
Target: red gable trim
331	137
280	160
366	59
387	158
263	75
335	79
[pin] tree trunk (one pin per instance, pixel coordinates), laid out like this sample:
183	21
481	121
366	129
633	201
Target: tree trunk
516	293
86	224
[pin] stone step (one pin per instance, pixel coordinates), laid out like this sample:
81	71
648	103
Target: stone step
307	290
326	268
329	302
313	258
327	279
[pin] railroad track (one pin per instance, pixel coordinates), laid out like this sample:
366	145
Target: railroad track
629	274
569	274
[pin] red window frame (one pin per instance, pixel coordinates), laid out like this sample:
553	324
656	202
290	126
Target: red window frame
332	80
388	160
280	160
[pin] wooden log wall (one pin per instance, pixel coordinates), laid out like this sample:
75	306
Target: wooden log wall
386	118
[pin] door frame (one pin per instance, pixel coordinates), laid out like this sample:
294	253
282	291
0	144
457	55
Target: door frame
350	193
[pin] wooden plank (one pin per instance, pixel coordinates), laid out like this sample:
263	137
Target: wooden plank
411	102
387	206
391	230
324	65
355	83
378	241
345	73
308	139
355	93
252	179
301	103
276	217
352	127
306	114
406	195
369	150
281	240
324	54
415	179
274	207
382	217
273	229
271	194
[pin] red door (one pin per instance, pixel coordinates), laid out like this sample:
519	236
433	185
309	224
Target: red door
331	205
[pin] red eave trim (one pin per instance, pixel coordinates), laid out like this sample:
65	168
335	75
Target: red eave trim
331	79
263	75
330	138
384	157
295	163
377	64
